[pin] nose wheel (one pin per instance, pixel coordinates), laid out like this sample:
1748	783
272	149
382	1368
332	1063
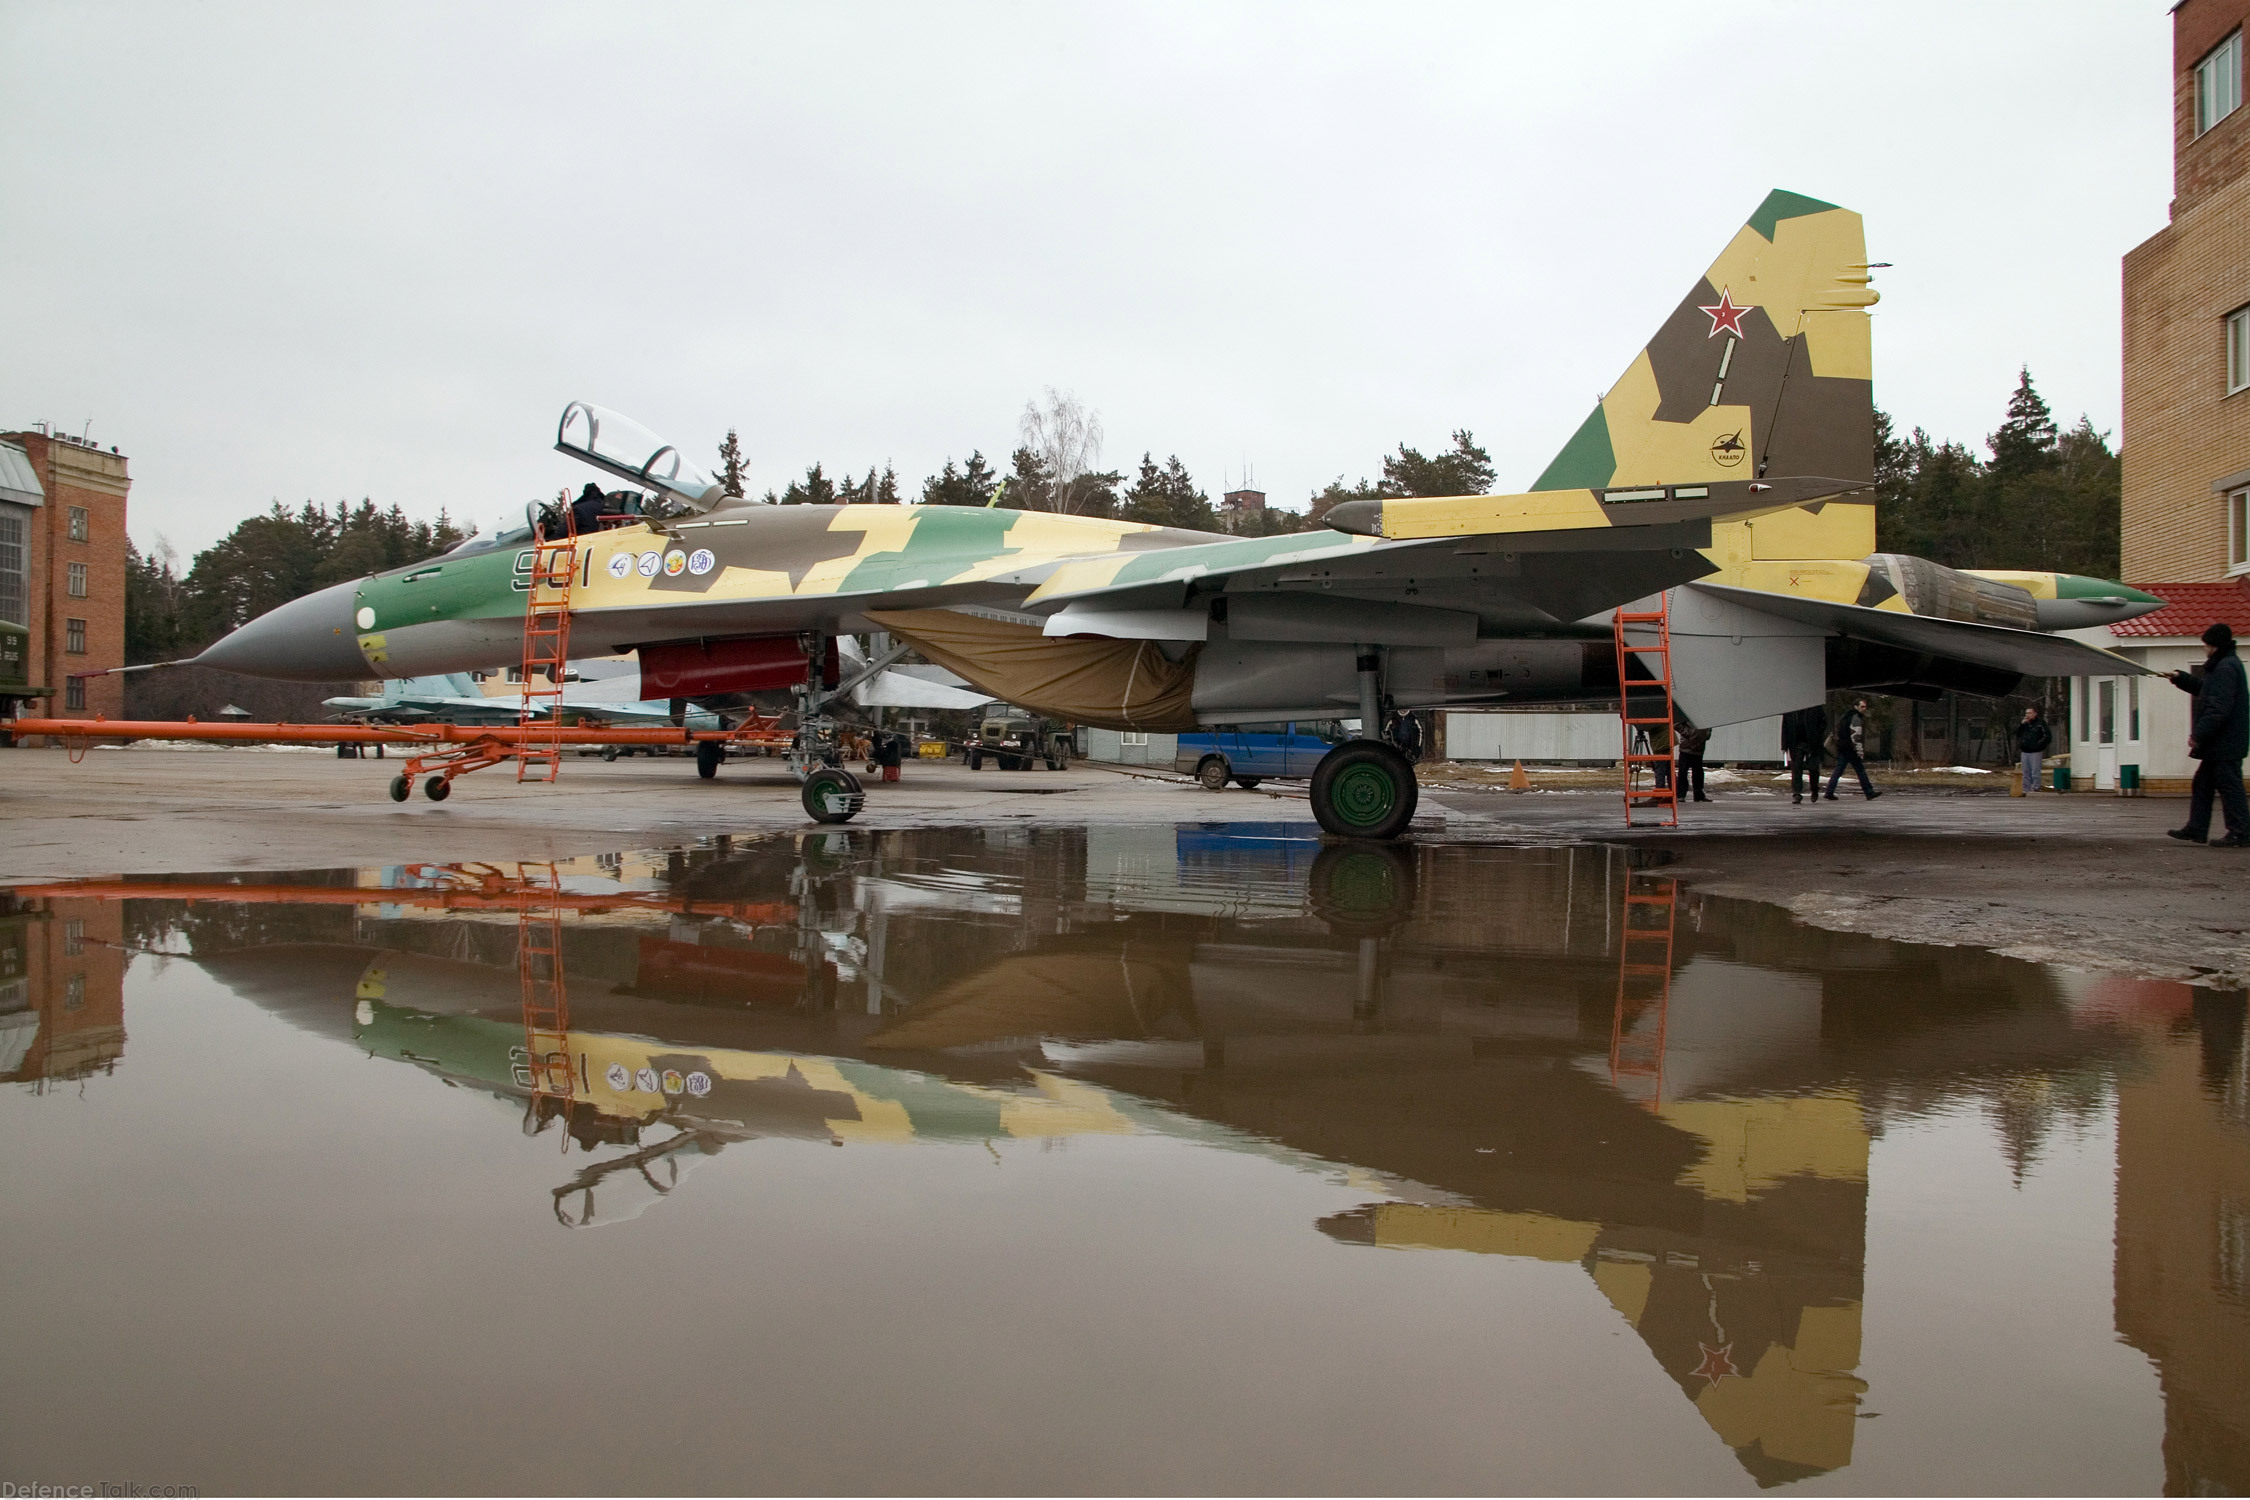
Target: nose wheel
832	795
1364	789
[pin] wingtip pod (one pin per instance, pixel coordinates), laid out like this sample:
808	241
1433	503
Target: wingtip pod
1764	367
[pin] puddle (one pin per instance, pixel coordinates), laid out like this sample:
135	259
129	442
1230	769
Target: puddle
1105	1159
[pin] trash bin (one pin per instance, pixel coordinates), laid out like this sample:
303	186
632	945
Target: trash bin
2062	778
2128	781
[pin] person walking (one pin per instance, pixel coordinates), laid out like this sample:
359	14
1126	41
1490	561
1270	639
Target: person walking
1851	750
1692	740
1802	730
2218	737
2033	738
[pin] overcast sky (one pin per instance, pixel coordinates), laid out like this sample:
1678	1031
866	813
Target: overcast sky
291	252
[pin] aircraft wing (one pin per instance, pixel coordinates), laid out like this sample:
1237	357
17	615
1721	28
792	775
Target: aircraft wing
1512	561
2028	652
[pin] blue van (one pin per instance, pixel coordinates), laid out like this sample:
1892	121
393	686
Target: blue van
1247	754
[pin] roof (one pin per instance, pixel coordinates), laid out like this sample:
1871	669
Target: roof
2189	608
19	482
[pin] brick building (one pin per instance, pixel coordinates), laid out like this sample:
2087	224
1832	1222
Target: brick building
66	543
2187	325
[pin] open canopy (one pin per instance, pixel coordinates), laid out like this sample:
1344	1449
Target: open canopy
616	444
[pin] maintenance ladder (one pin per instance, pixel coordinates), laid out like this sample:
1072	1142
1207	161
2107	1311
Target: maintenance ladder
546	649
546	1066
1651	716
1644	986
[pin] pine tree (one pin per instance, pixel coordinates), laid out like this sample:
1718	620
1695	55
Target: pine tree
970	484
1167	496
732	466
816	488
1467	470
2025	443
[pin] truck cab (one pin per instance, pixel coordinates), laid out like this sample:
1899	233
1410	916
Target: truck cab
1016	739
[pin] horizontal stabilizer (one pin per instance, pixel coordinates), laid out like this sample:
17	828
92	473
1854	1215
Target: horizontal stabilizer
1996	646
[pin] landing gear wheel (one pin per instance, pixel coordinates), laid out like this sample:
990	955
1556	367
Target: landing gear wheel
437	789
708	754
1364	789
401	789
1213	774
1248	783
832	796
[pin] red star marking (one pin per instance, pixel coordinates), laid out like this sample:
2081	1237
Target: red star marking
1716	1365
1726	316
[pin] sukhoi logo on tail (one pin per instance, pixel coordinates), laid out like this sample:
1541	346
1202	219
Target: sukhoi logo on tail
1728	451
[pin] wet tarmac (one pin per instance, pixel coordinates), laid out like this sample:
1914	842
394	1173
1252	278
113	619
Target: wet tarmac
1109	1158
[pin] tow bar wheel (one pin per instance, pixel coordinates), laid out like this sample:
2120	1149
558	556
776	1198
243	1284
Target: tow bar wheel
1364	789
832	796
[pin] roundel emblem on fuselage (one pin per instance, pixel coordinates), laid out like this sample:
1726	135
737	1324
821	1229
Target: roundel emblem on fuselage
620	565
700	561
650	562
675	563
619	1077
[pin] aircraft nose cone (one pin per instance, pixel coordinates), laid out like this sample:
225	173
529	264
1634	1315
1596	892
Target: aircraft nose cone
313	639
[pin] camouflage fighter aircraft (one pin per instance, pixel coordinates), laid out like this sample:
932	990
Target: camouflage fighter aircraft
1728	472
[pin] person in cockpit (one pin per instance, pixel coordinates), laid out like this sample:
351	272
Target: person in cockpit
586	510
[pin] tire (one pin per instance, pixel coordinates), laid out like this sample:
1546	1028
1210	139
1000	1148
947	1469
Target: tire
1213	773
1058	765
609	753
976	760
832	796
1364	789
437	789
401	789
1248	783
708	755
1363	890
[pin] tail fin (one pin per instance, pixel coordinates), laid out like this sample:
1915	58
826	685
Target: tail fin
1764	368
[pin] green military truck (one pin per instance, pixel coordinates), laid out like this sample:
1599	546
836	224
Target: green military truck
15	670
1016	739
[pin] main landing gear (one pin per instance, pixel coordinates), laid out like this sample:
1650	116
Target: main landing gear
830	793
1364	788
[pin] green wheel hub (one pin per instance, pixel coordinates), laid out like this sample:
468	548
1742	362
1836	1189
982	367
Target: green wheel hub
1364	795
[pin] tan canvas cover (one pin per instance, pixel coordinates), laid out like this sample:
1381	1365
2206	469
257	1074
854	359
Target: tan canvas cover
1106	683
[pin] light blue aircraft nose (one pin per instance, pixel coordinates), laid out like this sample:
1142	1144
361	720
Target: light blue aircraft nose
312	639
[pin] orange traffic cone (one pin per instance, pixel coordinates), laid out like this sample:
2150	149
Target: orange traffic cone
1517	781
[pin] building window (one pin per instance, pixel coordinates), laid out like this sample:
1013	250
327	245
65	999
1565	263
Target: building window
2238	529
2238	349
78	523
2218	84
2133	709
1132	740
74	637
74	992
74	937
74	693
15	560
2107	724
77	580
2085	708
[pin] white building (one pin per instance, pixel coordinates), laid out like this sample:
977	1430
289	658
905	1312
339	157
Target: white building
2142	722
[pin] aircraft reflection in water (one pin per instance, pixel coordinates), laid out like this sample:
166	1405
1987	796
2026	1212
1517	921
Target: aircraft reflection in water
1530	1053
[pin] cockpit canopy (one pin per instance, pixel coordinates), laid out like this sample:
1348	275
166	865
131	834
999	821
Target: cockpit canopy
616	444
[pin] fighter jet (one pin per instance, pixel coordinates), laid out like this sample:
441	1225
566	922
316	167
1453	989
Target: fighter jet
1725	478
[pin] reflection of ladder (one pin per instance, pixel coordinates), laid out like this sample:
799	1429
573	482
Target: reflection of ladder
1644	985
1646	710
546	647
546	1067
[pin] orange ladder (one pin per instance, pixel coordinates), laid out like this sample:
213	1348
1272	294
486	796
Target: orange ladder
545	1067
546	648
1648	713
1644	985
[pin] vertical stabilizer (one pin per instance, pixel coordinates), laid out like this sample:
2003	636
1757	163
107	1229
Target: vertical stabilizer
1764	367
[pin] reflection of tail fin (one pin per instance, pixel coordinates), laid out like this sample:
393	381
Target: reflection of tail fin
1763	368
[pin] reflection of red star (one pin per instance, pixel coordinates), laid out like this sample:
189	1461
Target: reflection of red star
1726	316
1716	1365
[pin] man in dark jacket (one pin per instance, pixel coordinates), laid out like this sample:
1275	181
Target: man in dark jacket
1802	730
2218	738
1693	742
2034	736
1851	750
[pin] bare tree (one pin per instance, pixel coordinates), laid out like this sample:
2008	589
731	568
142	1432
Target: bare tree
1066	438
